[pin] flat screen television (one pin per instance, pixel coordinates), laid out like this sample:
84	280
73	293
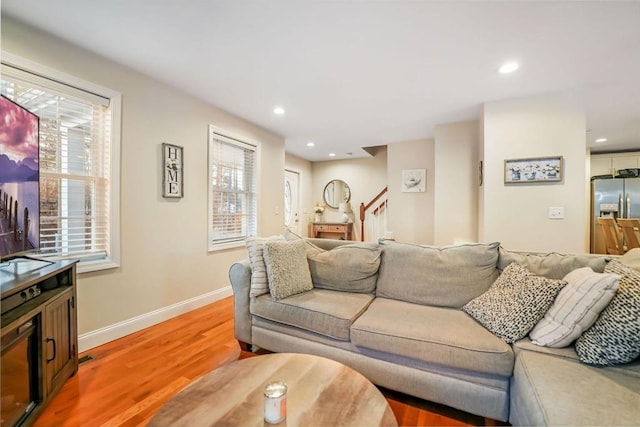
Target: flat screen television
19	180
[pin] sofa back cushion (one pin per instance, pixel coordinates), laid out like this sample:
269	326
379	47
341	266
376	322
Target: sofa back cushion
551	265
349	268
448	276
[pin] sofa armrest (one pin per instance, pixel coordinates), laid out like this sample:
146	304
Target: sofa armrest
240	278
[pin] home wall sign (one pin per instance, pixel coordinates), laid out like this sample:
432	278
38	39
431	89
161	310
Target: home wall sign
535	169
172	165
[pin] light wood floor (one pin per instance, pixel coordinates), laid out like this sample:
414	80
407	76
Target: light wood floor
129	379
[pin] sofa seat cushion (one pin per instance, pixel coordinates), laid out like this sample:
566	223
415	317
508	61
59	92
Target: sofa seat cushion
439	335
525	344
322	311
550	390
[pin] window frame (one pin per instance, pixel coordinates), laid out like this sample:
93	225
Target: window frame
241	142
112	260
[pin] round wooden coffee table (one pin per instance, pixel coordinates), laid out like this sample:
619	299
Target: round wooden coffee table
321	392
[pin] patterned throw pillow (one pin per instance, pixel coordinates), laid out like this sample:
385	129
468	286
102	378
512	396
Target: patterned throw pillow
287	268
255	247
615	337
515	302
576	307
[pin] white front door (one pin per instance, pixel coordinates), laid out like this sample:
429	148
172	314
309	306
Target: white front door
292	201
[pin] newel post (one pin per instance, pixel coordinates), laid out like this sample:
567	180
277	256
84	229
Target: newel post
362	210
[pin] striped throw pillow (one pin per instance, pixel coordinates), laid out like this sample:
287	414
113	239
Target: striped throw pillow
576	307
259	280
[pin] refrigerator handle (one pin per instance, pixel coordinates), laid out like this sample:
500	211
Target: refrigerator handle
620	206
628	206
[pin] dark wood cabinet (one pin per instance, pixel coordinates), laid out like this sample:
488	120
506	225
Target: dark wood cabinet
60	340
39	320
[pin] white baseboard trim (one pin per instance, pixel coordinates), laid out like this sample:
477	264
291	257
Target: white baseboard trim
101	336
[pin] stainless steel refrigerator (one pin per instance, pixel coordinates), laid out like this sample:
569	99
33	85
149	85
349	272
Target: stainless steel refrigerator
615	197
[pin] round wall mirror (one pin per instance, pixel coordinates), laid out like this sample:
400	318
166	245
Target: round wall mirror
335	192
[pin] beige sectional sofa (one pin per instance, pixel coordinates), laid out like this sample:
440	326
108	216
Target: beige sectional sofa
398	314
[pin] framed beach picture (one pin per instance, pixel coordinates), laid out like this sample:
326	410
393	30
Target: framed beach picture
535	169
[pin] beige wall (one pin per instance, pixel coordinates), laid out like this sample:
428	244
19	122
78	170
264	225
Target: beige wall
164	257
455	183
481	177
517	215
163	242
366	177
410	215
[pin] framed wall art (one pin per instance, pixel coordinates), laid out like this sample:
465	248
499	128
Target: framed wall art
414	180
535	169
172	165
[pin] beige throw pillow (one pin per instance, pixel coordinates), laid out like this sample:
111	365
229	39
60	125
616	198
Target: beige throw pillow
259	280
576	307
287	268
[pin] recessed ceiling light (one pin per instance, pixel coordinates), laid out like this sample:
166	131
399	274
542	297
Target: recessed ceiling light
310	144
278	110
601	140
508	67
332	154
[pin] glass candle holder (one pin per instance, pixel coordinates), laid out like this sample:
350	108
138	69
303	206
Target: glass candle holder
275	402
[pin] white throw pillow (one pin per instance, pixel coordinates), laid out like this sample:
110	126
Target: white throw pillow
576	307
259	280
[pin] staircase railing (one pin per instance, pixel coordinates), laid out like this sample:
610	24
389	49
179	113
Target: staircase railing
374	214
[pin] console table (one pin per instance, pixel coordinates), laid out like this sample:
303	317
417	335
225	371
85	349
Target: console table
333	230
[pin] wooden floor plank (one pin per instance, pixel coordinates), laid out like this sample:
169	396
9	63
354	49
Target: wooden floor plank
129	379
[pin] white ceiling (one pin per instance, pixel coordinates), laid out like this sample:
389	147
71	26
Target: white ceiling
354	74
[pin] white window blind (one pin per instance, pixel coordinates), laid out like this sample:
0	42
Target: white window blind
232	190
75	163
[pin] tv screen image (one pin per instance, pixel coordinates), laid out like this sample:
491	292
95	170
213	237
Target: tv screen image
19	179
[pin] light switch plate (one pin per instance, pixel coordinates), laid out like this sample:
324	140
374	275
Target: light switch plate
556	212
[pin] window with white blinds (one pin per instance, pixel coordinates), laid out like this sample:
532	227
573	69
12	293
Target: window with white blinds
232	190
75	165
